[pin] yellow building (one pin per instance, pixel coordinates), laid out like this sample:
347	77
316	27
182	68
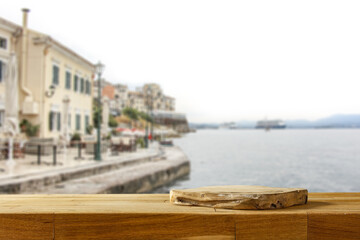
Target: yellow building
49	73
8	34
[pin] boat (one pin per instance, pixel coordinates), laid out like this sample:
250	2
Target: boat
228	125
270	124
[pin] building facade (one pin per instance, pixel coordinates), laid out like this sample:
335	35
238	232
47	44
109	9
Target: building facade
8	35
49	73
136	100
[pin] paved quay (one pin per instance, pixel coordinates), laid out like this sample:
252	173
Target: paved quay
130	172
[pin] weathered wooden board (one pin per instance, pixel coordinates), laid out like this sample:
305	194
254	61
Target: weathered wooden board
282	226
143	226
240	197
151	216
342	226
27	226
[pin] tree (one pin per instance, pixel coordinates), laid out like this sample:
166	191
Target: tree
112	121
145	116
131	113
29	129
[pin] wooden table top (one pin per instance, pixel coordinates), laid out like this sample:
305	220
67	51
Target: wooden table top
151	216
159	203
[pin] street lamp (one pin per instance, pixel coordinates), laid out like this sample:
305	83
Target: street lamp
99	69
148	92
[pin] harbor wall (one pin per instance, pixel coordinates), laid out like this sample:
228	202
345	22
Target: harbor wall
134	175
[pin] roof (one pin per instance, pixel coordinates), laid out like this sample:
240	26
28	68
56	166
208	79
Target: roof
9	25
43	39
47	39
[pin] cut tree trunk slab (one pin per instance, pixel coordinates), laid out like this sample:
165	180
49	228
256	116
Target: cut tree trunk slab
240	197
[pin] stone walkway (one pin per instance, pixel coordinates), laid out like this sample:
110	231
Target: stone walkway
141	177
28	165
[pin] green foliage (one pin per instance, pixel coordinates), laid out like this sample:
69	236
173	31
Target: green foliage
108	137
131	113
112	121
140	141
114	132
89	129
76	137
29	129
145	116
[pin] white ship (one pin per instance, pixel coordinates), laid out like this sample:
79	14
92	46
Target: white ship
228	125
268	124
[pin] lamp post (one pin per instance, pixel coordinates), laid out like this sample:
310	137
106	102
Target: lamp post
99	68
148	92
151	116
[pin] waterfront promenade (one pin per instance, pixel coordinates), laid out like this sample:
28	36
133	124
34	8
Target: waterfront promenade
129	172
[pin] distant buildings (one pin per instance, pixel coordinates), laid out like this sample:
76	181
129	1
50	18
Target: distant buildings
149	97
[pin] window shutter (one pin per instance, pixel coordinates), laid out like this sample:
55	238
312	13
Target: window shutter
55	75
58	121
86	86
89	88
75	83
50	121
68	80
78	122
82	86
1	71
86	122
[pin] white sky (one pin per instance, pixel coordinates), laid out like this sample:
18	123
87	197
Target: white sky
221	60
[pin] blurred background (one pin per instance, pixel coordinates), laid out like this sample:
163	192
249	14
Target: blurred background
179	94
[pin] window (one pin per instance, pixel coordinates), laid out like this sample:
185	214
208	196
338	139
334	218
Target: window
78	122
2	70
54	121
82	88
89	92
2	116
58	121
76	80
86	122
87	87
3	43
51	121
68	80
69	120
55	79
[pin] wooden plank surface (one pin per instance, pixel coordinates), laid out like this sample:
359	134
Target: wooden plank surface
27	226
151	216
281	226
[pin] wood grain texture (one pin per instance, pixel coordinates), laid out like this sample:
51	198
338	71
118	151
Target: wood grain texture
27	226
272	226
240	197
144	226
334	226
151	216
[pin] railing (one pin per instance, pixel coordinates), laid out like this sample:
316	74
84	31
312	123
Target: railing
134	216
